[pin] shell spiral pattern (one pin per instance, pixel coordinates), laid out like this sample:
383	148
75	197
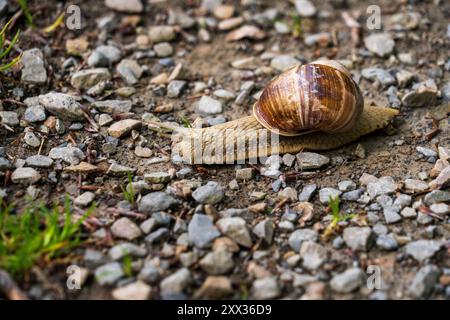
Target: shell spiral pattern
320	96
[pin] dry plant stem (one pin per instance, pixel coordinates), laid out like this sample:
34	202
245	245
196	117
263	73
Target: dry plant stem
246	134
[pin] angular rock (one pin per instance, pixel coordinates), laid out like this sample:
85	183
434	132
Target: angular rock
309	160
123	127
424	282
64	106
313	255
25	176
126	229
134	291
381	44
235	228
86	79
33	66
211	193
113	106
156	201
217	262
348	281
422	250
128	6
358	238
68	154
299	236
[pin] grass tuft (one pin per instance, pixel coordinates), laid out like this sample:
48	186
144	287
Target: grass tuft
23	4
36	234
128	192
6	47
334	205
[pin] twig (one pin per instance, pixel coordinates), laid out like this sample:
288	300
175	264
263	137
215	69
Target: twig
127	213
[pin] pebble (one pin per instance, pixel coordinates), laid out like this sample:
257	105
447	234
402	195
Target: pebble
281	27
358	238
118	170
354	195
88	78
208	106
413	185
39	161
202	231
157	236
163	49
104	56
348	281
62	105
108	274
235	228
128	6
346	186
211	193
82	167
215	287
288	159
134	291
289	193
391	215
384	185
442	180
35	113
402	200
326	194
157	177
265	289
245	32
313	255
437	196
299	236
25	176
244	174
161	34
440	209
378	74
68	154
223	11
156	201
404	77
265	230
423	94
84	199
126	229
175	88
422	250
309	160
229	24
322	39
130	71
408	212
387	242
176	282
424	282
381	44
283	62
427	152
33	70
217	262
113	106
307	192
31	139
224	95
305	8
123	127
121	250
9	118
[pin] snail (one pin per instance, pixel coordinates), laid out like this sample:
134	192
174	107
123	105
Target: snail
316	106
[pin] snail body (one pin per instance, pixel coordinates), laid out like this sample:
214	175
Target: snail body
315	106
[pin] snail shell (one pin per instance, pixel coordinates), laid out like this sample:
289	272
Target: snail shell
320	96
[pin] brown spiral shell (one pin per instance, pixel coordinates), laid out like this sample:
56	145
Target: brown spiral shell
320	96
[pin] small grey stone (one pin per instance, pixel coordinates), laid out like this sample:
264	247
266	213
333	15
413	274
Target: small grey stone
288	159
321	39
244	174
305	8
88	78
202	231
163	49
299	236
207	106
85	199
346	185
157	236
10	118
161	33
354	195
30	139
126	229
378	74
68	154
358	238
104	56
422	250
402	200
25	176
156	201
265	288
381	44
62	105
130	71
217	262
265	230
34	114
211	193
310	160
427	152
348	281
384	185
113	106
326	194
109	273
387	242
437	196
283	62
408	212
176	282
414	185
4	164
422	94
128	6
424	282
391	215
33	66
307	192
149	273
124	249
157	177
175	88
313	255
224	95
235	228
380	229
